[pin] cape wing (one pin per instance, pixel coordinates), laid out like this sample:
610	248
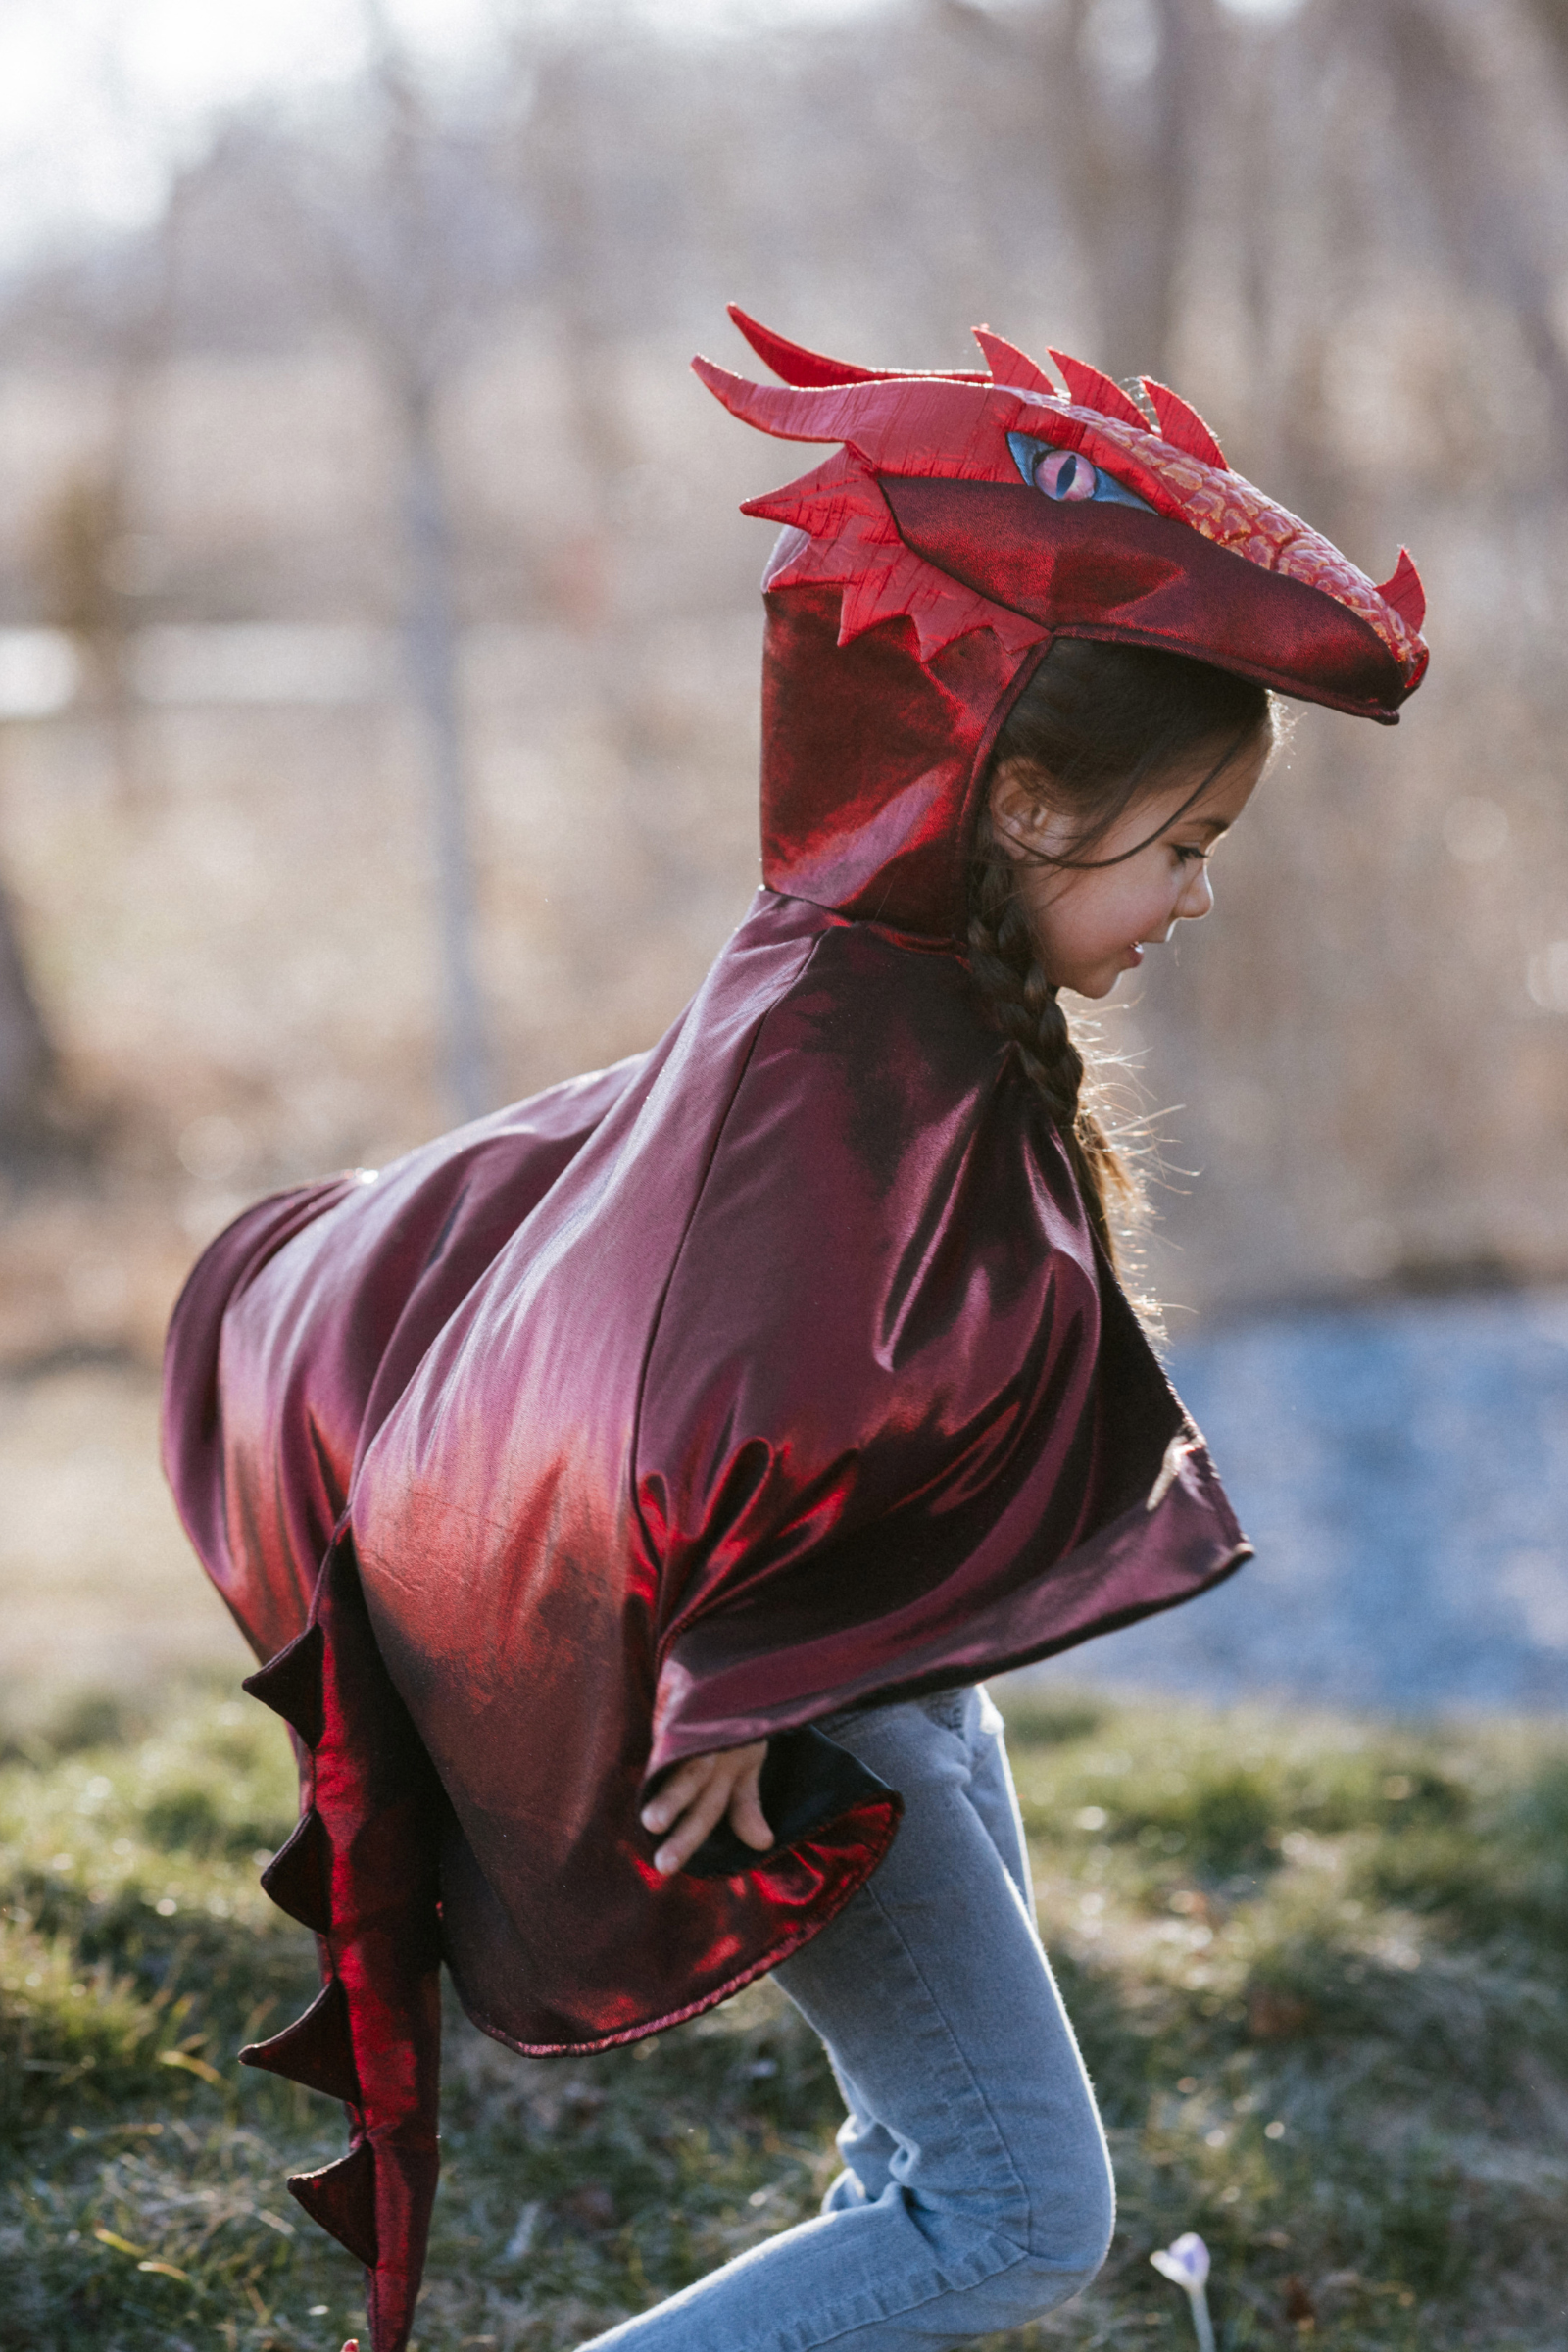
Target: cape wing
301	1323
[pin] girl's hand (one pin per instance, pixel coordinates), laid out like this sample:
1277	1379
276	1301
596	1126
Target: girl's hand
698	1793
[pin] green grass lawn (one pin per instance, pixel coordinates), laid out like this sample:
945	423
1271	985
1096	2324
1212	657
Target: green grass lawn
1316	1966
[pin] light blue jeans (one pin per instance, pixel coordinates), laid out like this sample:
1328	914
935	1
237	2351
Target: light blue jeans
976	2191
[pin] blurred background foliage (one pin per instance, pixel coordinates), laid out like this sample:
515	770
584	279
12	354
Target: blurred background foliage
380	637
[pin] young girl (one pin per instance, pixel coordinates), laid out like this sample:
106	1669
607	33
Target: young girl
629	1491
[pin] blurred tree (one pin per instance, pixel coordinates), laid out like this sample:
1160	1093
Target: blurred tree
27	1056
418	238
87	588
1451	119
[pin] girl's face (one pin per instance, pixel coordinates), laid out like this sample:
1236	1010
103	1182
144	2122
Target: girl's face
1090	924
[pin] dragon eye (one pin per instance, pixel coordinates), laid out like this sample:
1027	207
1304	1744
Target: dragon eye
1067	473
1063	474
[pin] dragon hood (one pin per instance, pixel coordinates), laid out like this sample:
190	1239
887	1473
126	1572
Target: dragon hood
992	513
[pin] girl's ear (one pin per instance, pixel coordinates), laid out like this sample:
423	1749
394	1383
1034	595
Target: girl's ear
1018	818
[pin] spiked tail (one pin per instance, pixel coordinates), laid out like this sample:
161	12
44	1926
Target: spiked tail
316	2049
291	1684
341	2197
1402	590
360	1870
299	1877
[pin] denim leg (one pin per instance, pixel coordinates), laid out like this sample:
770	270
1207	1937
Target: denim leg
993	1795
865	2145
978	2191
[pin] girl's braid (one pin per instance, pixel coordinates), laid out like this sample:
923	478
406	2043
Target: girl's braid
1026	1008
1095	730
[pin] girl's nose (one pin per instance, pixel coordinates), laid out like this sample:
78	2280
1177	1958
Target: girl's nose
1197	899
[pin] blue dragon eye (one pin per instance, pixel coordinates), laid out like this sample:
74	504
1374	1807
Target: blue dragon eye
1067	475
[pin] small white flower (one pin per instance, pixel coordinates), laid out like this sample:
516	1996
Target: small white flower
1184	2263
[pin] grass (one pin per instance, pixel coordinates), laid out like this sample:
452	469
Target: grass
1315	1966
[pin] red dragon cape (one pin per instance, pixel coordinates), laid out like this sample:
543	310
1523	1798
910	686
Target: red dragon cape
773	1372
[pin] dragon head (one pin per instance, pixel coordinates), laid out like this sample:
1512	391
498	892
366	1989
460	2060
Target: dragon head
963	522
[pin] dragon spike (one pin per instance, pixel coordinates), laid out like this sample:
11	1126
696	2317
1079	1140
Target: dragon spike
816	501
291	1684
812	369
316	2049
1402	590
299	1877
924	424
1089	389
871	415
794	414
341	2197
1182	427
1012	366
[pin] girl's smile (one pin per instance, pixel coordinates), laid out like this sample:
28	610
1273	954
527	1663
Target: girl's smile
1142	877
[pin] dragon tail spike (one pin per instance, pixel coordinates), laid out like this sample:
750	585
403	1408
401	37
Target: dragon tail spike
291	1684
316	2049
1010	366
814	371
1089	389
1402	590
299	1877
1182	427
341	2198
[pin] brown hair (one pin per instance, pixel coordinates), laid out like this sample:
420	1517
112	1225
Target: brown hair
1098	728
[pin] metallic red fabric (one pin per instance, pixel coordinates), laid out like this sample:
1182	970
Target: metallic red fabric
871	763
361	1870
773	1372
275	1373
1147	581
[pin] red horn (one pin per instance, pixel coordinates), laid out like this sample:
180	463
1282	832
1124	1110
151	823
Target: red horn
809	370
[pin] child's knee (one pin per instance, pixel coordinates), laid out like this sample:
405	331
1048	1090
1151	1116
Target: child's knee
1056	2248
1026	2289
1081	2238
1071	2223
